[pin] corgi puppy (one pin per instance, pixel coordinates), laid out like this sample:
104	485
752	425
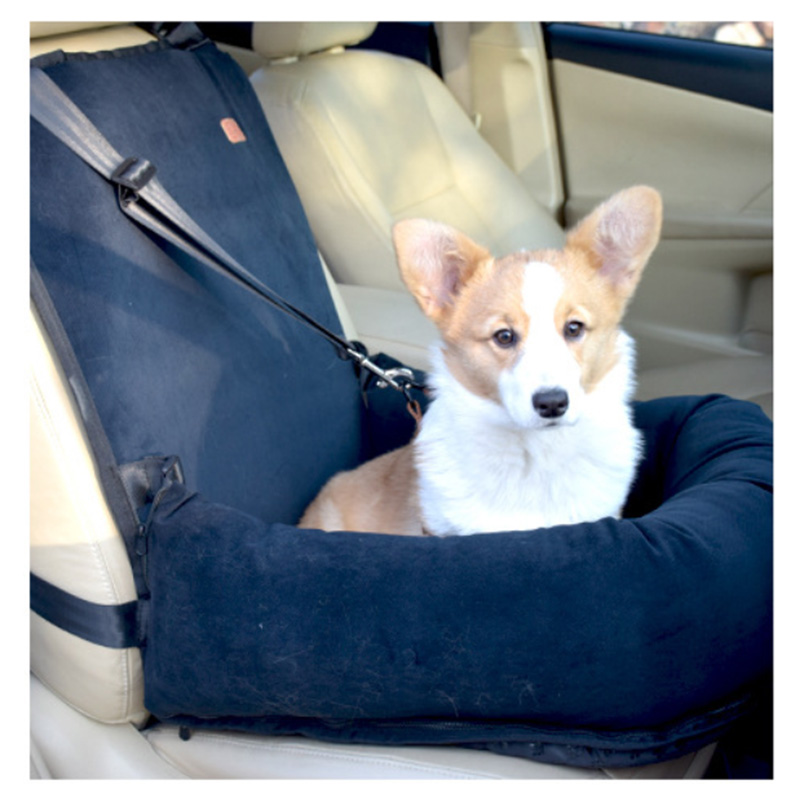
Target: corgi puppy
530	424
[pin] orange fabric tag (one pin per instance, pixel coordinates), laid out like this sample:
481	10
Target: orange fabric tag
232	130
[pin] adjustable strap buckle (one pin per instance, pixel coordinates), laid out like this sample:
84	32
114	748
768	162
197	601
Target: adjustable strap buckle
131	176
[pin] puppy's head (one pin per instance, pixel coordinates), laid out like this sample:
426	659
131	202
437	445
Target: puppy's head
535	331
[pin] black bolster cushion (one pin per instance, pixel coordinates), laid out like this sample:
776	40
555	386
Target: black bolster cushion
616	625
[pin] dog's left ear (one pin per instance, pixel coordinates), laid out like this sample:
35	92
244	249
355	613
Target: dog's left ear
620	235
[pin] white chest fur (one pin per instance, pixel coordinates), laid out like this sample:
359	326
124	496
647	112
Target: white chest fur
478	472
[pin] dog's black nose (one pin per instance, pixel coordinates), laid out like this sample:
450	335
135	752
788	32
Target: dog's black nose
551	403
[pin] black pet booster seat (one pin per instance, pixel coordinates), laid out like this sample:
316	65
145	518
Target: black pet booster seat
215	418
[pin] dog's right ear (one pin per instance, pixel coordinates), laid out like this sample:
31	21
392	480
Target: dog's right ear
435	262
619	236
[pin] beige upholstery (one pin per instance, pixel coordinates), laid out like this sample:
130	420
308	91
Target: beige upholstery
370	138
76	37
288	39
498	72
757	328
86	701
66	743
232	755
711	159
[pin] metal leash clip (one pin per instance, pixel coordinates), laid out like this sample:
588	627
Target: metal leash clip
405	378
405	374
400	378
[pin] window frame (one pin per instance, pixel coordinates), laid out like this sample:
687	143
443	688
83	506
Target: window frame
731	72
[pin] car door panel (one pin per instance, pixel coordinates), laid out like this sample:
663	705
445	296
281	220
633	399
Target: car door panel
710	157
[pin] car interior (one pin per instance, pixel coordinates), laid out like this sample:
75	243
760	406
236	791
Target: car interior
510	132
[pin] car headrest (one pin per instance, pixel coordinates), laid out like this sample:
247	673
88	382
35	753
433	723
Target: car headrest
273	40
87	37
41	29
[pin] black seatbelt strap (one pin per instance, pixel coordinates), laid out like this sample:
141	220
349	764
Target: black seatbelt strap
146	201
107	625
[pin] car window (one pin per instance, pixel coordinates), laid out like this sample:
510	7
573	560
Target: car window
752	34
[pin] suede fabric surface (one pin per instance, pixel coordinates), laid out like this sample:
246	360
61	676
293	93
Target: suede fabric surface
646	626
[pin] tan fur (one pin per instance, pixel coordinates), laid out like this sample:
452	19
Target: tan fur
488	303
590	299
469	296
378	497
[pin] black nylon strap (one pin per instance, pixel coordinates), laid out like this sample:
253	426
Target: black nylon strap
106	625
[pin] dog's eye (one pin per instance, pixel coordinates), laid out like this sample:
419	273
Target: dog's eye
505	337
574	330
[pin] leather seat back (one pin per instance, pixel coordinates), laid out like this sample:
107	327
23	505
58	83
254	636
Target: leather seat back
349	121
